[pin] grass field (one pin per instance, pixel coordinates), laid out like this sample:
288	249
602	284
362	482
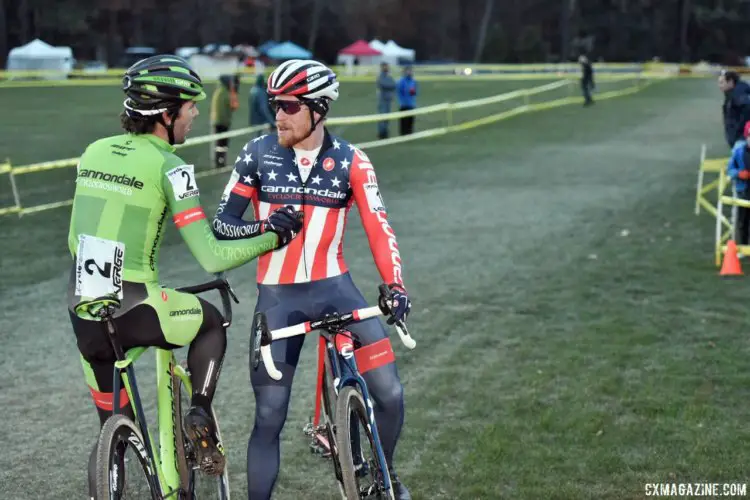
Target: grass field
574	339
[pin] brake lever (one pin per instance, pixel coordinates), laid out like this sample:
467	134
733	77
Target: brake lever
407	339
227	286
231	292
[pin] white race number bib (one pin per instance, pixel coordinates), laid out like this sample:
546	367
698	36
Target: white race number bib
183	182
374	200
99	267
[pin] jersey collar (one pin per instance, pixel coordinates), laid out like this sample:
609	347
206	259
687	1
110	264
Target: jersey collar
159	142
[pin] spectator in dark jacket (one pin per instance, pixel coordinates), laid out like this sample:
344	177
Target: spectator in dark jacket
587	80
739	170
260	111
386	88
736	108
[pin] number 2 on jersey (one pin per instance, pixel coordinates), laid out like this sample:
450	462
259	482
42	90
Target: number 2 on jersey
188	181
183	182
99	264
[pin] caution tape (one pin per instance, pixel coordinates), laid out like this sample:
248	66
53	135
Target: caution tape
357	120
9	210
344	120
46	206
47	165
424	134
524	108
357	78
510	95
417	68
522	67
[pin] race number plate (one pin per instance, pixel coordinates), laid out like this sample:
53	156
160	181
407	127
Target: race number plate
99	267
374	200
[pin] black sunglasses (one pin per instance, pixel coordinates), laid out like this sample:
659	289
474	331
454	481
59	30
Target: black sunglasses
288	107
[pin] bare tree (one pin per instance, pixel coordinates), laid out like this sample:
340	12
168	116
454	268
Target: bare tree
3	35
23	20
315	24
684	22
568	7
489	4
277	8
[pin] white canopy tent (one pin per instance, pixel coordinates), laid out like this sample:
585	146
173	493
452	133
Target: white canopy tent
38	55
392	52
377	45
210	67
401	52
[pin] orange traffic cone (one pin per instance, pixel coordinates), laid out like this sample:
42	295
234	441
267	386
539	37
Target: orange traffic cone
731	265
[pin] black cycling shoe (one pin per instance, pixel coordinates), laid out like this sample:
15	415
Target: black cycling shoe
199	429
399	490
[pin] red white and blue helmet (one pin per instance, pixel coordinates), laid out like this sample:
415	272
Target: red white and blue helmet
304	78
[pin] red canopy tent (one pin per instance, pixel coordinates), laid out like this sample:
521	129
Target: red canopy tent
359	48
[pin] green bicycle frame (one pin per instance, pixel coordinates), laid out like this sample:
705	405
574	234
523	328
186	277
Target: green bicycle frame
165	457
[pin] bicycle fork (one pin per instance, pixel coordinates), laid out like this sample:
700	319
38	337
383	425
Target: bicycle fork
344	355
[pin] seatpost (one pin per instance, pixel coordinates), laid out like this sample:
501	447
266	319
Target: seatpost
112	333
106	314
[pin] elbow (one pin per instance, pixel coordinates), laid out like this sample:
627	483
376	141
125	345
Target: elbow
220	236
209	264
216	223
212	267
219	227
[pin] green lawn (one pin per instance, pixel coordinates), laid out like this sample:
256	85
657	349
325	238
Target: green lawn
574	339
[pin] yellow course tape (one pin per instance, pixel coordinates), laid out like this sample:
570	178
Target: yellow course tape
9	210
444	107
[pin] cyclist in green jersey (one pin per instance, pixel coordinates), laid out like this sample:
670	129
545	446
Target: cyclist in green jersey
125	188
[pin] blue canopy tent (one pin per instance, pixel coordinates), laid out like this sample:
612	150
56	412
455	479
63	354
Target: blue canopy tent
266	46
288	50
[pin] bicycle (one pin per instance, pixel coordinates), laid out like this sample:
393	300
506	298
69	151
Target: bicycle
345	394
171	472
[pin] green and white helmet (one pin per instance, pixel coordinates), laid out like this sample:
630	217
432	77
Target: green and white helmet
160	83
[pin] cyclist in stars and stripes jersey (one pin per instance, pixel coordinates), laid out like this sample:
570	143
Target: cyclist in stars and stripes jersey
323	177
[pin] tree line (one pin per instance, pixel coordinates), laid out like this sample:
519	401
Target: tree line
439	30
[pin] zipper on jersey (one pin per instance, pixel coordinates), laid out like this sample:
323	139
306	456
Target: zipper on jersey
304	251
302	207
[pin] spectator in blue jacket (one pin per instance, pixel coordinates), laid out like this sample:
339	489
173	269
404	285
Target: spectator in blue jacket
407	91
739	170
260	111
386	88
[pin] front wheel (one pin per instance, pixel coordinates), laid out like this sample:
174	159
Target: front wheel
194	484
360	467
123	467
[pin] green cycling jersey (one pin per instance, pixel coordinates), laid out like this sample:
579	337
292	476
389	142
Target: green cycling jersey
126	188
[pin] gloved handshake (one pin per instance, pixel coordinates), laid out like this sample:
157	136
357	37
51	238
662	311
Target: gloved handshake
286	222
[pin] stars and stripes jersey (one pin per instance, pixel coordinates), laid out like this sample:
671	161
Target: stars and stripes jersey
267	175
